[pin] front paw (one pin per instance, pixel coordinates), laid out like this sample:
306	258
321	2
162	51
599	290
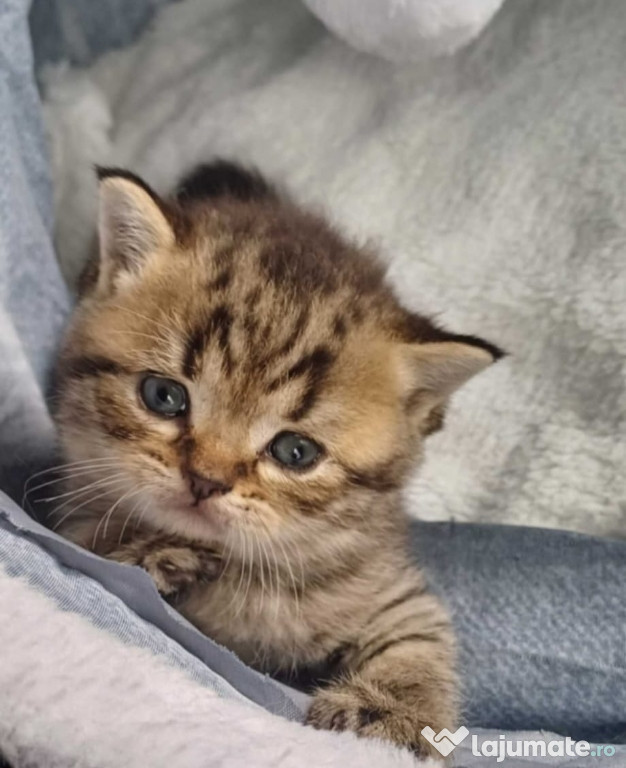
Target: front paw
368	711
173	568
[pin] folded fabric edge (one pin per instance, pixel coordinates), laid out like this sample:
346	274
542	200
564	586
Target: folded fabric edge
75	695
136	591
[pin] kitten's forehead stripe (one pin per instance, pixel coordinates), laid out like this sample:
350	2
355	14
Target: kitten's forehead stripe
339	327
315	366
251	326
217	327
194	348
295	333
222	281
85	366
252	298
356	314
224	256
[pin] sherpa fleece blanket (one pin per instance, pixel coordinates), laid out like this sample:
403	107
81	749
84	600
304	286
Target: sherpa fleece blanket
493	182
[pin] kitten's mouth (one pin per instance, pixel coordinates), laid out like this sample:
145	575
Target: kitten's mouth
215	514
206	510
203	508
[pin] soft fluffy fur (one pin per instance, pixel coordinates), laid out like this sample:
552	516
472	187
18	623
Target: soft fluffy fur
273	323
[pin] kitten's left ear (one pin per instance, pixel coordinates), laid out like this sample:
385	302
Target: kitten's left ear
131	225
436	369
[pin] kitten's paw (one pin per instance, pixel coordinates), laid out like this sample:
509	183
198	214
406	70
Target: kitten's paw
369	711
173	568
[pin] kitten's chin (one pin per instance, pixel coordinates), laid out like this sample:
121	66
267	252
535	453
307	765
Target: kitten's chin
204	520
207	520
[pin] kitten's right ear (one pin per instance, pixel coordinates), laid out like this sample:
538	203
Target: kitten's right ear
131	225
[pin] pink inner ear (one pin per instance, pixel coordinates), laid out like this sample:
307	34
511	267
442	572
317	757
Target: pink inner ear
443	367
131	227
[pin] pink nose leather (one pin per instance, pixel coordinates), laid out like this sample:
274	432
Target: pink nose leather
204	487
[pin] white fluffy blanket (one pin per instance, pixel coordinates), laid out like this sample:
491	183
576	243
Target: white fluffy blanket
493	182
74	695
88	683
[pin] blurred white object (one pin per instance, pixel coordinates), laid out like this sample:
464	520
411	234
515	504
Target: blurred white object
402	30
79	122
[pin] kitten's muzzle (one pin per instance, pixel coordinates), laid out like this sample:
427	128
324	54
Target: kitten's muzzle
204	487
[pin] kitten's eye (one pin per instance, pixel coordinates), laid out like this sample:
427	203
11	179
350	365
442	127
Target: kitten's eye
164	396
294	451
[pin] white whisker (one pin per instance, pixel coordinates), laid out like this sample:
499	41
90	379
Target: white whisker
294	548
67	493
250	572
80	506
291	575
270	574
83	491
141	514
277	610
262	575
243	551
109	514
78	491
130	514
86	465
69	465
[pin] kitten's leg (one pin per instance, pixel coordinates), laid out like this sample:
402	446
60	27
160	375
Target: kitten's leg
398	678
174	564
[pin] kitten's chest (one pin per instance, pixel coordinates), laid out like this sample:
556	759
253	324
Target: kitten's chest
271	628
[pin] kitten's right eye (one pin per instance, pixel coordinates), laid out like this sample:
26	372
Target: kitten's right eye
294	451
163	396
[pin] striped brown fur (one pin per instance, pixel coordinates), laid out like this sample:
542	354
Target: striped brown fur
272	322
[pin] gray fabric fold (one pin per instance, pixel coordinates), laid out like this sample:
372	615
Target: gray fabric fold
136	589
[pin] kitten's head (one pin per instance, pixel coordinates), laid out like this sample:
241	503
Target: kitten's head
233	364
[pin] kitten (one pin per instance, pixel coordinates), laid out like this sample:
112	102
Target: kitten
243	398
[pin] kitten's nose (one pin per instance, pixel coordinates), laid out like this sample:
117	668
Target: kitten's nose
202	487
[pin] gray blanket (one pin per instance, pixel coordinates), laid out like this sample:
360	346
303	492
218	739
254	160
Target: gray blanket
33	299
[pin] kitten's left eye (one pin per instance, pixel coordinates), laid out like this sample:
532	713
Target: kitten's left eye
294	451
164	396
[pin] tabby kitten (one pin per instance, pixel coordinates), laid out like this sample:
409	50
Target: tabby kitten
243	398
